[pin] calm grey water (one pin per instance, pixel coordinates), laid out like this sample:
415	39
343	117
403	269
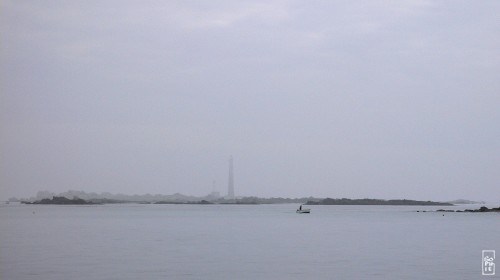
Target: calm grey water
242	242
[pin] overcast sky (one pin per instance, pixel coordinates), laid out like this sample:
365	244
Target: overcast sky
379	99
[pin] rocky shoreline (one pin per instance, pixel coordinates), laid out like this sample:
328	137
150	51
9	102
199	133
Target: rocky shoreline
482	209
61	200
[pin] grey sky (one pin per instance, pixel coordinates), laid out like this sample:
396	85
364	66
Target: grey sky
380	99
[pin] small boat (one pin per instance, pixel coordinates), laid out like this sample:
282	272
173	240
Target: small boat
303	211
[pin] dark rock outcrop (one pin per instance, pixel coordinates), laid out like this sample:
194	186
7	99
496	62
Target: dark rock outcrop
480	210
483	209
61	200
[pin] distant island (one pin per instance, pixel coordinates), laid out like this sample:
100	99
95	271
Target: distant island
369	201
45	197
83	198
60	200
465	201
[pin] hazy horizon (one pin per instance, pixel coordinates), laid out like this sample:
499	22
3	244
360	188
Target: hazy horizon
89	194
377	99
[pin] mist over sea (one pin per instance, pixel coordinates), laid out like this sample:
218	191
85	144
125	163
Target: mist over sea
132	241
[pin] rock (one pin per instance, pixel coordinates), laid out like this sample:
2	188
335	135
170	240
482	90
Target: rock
483	209
61	200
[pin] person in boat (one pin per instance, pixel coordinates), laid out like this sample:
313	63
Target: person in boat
300	207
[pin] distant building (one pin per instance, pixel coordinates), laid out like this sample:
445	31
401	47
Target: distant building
230	185
213	195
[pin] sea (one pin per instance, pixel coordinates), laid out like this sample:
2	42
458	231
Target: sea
147	241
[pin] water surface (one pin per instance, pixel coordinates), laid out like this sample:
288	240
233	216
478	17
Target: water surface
242	242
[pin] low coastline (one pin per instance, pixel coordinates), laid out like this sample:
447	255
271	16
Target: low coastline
369	201
482	209
61	200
